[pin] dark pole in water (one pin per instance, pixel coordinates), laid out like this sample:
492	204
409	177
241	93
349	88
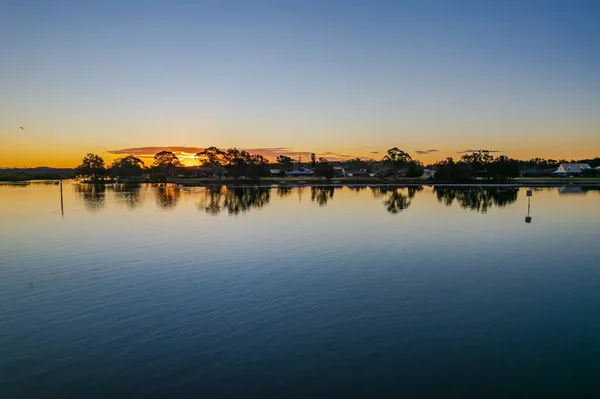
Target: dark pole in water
62	208
529	194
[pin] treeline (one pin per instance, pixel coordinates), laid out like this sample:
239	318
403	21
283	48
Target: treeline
483	165
236	164
396	163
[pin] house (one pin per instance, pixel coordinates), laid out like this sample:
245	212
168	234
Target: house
338	171
357	173
277	172
193	171
388	172
570	169
301	172
428	173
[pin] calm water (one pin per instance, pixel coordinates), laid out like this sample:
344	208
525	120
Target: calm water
310	292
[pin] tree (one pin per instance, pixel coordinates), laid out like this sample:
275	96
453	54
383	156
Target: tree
91	168
396	158
286	163
478	162
128	166
358	164
213	158
236	163
313	160
502	168
166	162
450	171
324	168
415	169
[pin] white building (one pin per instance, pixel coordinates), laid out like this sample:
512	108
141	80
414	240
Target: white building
427	173
568	169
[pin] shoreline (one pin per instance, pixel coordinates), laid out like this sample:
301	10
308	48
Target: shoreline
283	182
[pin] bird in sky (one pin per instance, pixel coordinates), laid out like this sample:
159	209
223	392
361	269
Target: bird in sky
22	128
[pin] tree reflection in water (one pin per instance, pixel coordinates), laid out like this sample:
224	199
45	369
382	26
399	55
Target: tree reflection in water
357	189
283	191
167	197
129	195
479	200
233	199
321	195
395	200
93	195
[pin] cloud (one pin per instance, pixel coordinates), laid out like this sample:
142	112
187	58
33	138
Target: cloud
426	151
471	151
270	153
374	152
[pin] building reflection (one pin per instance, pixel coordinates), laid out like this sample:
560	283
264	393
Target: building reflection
567	190
167	197
233	200
93	195
479	199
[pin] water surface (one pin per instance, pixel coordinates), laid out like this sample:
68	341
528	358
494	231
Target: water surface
298	292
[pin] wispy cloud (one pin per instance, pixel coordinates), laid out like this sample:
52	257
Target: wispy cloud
374	152
426	151
471	151
270	153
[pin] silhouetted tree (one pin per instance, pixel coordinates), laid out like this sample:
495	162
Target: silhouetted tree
450	171
91	168
396	158
313	160
128	166
415	169
502	168
236	163
324	168
358	164
286	163
591	173
166	162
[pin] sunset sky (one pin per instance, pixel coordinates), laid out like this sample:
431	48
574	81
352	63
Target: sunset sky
339	78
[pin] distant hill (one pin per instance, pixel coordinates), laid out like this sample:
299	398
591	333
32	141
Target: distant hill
37	173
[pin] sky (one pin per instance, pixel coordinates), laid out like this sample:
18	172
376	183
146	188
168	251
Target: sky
338	78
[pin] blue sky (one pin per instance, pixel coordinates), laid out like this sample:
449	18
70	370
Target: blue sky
327	76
